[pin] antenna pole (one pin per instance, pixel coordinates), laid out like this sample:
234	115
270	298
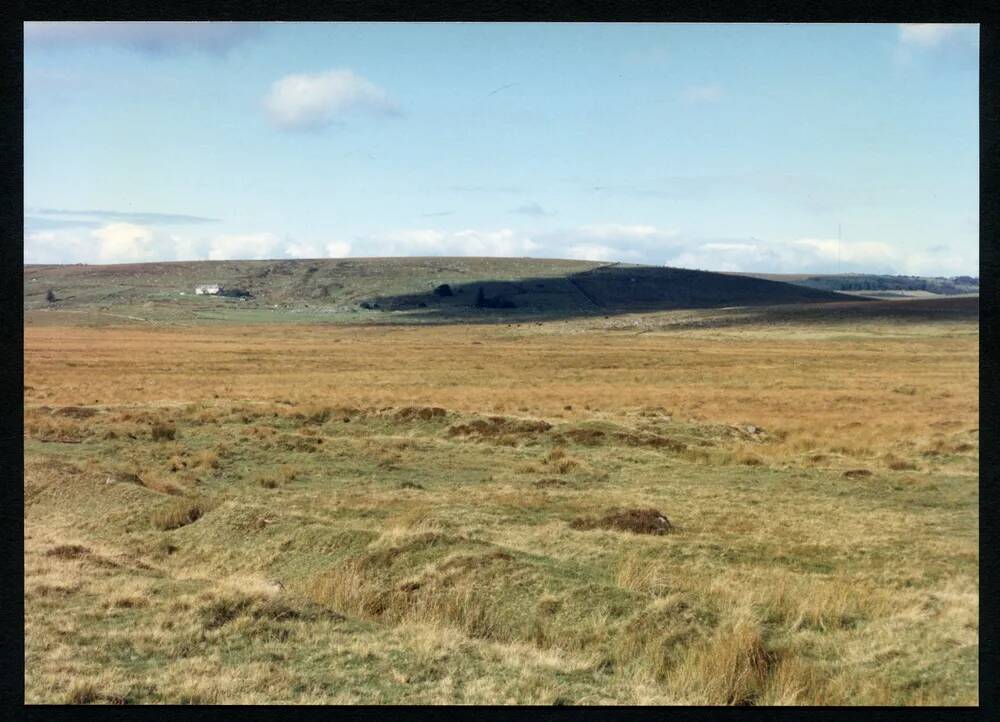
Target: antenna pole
838	249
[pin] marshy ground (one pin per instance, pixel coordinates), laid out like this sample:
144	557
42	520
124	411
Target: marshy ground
649	509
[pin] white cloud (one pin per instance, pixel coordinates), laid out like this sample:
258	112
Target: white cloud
429	242
308	102
932	35
612	242
702	94
953	43
333	249
599	242
52	246
730	247
634	232
151	38
338	249
937	262
246	246
302	250
594	252
126	243
110	243
807	255
832	250
135	243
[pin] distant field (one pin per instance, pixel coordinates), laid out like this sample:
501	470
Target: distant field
880	285
471	513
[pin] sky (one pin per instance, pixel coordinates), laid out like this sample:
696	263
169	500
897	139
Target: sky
729	147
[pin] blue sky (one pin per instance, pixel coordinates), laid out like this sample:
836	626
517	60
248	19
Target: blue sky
722	147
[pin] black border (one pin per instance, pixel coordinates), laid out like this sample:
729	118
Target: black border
11	310
512	11
989	365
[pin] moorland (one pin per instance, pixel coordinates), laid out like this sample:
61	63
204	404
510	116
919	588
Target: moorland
616	491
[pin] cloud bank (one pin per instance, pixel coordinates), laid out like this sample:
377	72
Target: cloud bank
90	216
310	102
149	38
120	242
124	242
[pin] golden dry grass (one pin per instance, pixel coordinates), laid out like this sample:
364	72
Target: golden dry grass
351	514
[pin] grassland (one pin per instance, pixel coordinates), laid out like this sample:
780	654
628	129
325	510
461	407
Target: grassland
387	514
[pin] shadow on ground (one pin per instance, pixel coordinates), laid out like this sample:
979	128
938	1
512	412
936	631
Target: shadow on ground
605	290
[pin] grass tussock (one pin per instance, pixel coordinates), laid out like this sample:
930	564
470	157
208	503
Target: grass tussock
732	668
638	574
160	485
83	693
459	591
896	463
207	460
180	513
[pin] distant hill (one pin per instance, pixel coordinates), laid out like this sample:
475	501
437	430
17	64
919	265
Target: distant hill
880	285
424	288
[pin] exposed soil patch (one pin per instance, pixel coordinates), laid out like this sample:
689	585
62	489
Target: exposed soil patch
897	464
549	483
314	417
498	426
75	412
469	562
857	474
423	413
586	437
68	551
162	432
636	521
124	477
76	551
652	440
219	612
293	442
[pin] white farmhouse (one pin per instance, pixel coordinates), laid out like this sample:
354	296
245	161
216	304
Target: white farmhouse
208	289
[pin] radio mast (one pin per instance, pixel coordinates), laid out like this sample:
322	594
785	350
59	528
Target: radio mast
838	249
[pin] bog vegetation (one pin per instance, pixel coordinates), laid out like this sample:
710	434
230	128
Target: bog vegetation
583	512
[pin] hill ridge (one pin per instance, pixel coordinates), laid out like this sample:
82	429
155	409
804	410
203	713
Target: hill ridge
481	286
